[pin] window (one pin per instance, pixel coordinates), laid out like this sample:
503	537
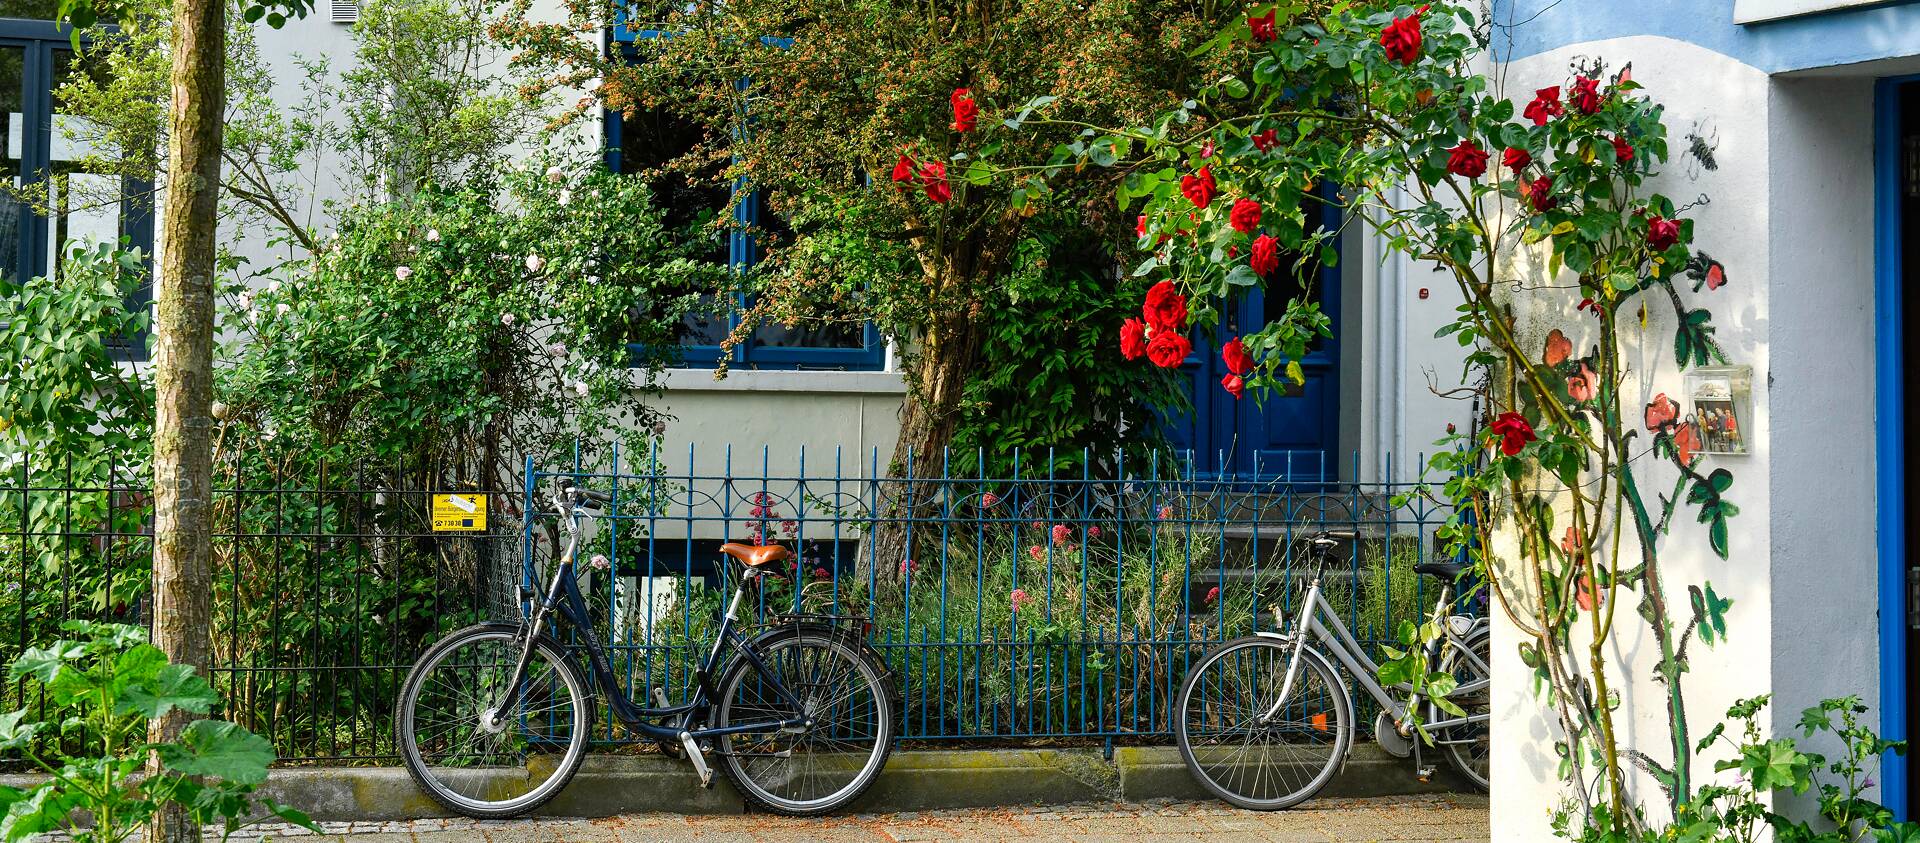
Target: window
651	138
43	165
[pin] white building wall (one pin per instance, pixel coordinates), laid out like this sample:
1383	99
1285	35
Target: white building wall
1697	87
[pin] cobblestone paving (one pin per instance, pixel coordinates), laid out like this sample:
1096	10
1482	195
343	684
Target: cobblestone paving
1431	819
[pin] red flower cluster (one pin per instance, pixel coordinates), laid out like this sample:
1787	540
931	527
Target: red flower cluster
1545	106
1467	159
1199	187
1263	27
966	112
1162	337
1402	38
1166	309
1168	349
1514	432
1515	159
1266	255
1133	339
1245	216
902	171
1586	95
1266	140
933	180
1662	233
1622	151
1235	355
1538	193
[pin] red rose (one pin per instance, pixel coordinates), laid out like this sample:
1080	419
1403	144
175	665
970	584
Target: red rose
1545	105
933	179
1514	432
1516	159
1467	159
1662	412
1166	309
1140	228
1199	187
1586	95
1266	255
1233	384
1266	140
1245	216
1168	349
1263	27
966	112
1622	151
1133	339
1662	233
1402	38
1540	194
1235	355
903	170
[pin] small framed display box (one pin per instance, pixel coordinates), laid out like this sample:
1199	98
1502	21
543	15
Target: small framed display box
1722	398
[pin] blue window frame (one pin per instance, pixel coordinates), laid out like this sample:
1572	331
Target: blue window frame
36	57
771	346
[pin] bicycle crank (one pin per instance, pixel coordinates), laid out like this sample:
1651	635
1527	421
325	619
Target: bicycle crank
1387	734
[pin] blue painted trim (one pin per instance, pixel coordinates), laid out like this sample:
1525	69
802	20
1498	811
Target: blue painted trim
1833	38
1890	427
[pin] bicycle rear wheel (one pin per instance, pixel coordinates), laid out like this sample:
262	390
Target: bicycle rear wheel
1469	746
816	769
1247	745
497	766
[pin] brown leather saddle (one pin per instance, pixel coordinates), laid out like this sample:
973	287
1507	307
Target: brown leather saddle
758	557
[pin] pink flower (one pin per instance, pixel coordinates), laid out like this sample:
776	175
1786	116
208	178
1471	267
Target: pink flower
822	574
1019	598
1036	551
1213	594
908	565
1061	533
1166	512
989	500
1093	532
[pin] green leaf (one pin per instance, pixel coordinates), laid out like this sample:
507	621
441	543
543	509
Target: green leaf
13	733
46	663
1711	609
1242	275
175	686
219	749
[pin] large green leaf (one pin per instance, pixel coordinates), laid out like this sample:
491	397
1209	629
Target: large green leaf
175	686
14	734
46	663
219	749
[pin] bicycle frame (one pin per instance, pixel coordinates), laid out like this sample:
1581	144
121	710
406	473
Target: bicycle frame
1318	620
563	598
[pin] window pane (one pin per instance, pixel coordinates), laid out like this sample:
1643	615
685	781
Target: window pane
771	230
650	141
87	206
12	212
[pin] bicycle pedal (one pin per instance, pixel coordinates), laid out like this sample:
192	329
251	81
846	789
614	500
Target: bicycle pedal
1424	774
699	758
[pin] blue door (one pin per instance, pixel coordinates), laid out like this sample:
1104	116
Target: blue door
1292	436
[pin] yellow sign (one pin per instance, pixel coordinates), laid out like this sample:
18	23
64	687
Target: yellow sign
460	513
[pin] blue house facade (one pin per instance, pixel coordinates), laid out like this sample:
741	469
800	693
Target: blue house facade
1794	128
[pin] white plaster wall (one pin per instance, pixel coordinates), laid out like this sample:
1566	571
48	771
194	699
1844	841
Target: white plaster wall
1695	85
1825	562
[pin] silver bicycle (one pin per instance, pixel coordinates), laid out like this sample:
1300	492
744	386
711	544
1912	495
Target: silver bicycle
1265	721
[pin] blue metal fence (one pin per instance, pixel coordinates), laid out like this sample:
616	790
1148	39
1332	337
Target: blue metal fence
1029	605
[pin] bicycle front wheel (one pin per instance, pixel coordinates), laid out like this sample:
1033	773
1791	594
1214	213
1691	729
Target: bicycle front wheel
819	767
471	751
1248	745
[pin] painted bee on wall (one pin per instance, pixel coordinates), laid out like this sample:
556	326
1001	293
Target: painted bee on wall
1702	140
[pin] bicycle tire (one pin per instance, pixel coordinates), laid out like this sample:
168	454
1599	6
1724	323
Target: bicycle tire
435	784
729	705
1334	699
1481	643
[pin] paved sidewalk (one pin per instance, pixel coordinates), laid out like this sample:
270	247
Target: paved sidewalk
1431	819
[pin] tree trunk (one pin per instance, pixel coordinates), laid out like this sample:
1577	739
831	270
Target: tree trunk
937	377
183	364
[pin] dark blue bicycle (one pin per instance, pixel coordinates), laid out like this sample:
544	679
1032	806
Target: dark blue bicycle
493	721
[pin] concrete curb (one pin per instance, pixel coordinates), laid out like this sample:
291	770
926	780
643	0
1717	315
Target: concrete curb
920	780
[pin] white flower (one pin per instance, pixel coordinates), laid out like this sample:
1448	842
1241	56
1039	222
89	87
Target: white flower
535	263
566	196
267	435
556	349
433	235
273	287
580	388
403	272
659	428
507	318
219	410
599	562
246	300
555	174
593	279
283	308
